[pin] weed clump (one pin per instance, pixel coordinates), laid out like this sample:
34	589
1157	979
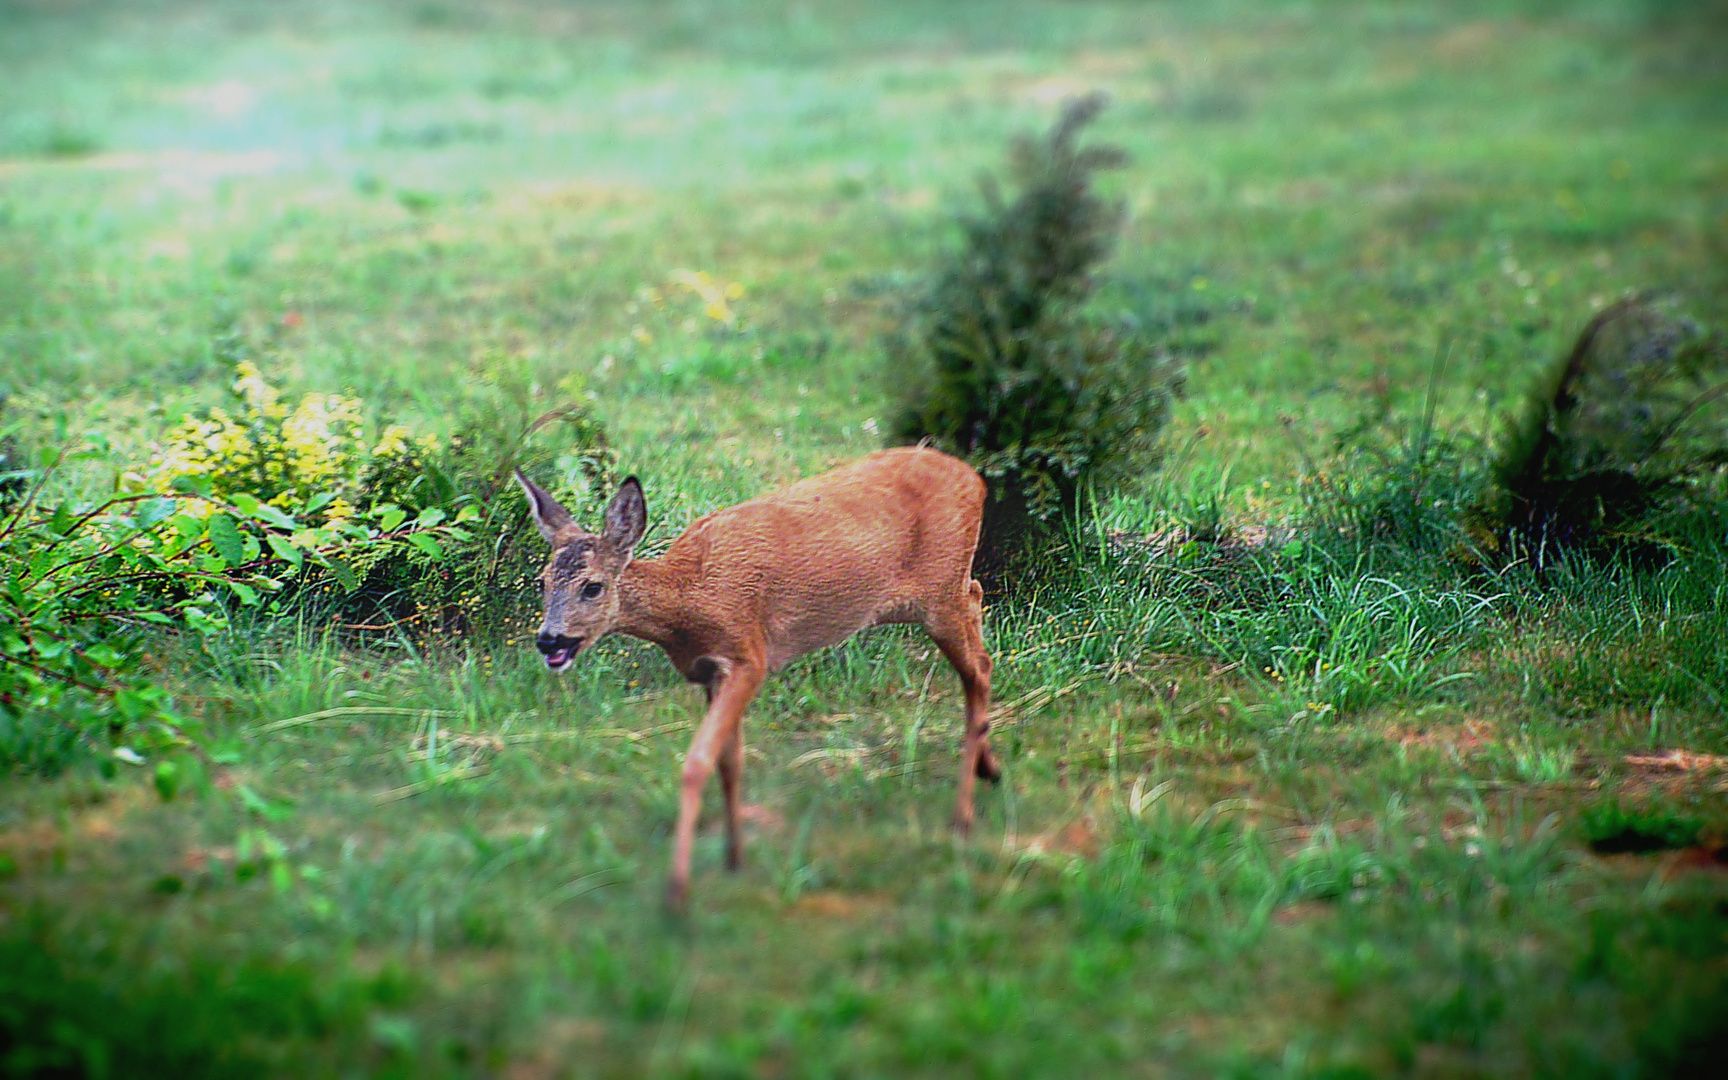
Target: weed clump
1399	480
1002	363
1613	828
1632	421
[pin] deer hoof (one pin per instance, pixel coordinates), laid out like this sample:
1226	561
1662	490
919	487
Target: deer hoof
677	897
987	769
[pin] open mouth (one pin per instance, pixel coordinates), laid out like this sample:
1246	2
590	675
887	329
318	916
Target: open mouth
558	650
559	659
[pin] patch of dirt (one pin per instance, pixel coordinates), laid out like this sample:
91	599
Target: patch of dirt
1078	837
1454	740
761	818
103	822
1700	858
838	905
1673	772
1677	761
1467	43
560	1040
1236	540
1303	911
29	843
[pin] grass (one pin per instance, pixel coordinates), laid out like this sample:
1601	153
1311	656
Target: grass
1315	807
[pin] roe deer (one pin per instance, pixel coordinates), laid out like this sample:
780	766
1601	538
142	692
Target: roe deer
748	589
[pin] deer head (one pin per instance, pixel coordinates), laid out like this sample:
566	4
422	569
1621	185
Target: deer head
580	581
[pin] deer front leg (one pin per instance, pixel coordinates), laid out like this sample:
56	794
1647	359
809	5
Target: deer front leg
719	728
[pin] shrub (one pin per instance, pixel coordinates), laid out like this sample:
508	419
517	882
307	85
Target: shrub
87	584
504	421
1001	362
315	452
315	457
1634	419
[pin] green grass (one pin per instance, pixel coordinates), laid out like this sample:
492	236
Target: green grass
1316	808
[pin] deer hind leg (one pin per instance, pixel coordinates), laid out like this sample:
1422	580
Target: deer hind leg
731	783
959	633
720	728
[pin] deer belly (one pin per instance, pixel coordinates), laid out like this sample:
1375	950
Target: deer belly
792	637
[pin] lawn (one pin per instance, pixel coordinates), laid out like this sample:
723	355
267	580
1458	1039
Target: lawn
1283	805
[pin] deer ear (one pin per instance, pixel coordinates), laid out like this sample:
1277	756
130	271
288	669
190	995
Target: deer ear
627	517
549	517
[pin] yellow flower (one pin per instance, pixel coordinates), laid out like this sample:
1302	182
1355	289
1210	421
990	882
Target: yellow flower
259	396
392	443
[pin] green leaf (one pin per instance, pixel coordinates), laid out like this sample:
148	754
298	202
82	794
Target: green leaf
225	539
61	522
425	543
268	809
344	575
105	655
155	511
270	515
263	511
391	518
285	550
167	780
202	621
192	485
430	516
247	594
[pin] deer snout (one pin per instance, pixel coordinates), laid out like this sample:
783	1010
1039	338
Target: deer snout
557	648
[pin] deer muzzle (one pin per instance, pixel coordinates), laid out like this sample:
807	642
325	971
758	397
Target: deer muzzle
557	649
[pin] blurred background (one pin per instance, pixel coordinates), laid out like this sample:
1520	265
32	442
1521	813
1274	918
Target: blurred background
1318	192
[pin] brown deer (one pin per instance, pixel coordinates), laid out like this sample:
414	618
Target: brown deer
748	589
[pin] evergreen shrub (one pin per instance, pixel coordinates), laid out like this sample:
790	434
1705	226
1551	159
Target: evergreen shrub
1002	362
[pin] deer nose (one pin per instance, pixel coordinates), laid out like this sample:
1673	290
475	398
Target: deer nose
549	644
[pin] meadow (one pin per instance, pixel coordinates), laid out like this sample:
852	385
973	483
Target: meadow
1283	797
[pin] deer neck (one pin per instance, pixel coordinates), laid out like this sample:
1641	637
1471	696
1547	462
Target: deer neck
649	604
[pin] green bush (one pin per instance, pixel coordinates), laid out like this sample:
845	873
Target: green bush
315	457
1001	362
88	585
503	421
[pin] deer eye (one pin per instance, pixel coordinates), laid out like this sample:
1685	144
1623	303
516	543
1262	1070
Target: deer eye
593	589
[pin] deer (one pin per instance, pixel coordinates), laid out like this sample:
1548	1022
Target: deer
746	590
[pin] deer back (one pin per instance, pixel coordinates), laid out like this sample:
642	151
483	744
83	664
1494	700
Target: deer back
888	538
